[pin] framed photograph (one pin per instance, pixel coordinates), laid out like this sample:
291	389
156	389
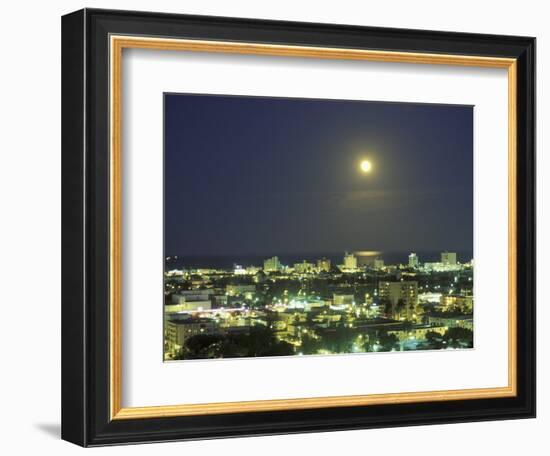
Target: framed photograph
277	227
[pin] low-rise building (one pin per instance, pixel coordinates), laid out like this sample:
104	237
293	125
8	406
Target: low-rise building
417	332
441	267
177	331
459	321
219	300
192	300
343	299
449	302
247	291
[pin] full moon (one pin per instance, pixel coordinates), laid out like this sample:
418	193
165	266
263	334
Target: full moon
366	166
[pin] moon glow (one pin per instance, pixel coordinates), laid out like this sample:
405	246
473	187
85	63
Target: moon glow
366	166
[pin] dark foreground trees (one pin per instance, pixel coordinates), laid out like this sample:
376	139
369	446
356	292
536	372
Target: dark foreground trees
258	341
453	338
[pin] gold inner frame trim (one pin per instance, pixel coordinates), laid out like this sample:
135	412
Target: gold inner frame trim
117	44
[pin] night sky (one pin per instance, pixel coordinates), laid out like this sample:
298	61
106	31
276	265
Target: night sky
259	175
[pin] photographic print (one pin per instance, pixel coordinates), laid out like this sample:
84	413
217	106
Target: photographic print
310	197
297	227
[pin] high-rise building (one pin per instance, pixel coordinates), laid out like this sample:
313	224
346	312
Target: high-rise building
350	261
413	260
401	298
303	267
448	258
272	264
378	263
323	265
365	258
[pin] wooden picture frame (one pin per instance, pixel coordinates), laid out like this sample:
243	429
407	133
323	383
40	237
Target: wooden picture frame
92	46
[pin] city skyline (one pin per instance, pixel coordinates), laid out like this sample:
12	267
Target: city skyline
357	305
302	227
228	261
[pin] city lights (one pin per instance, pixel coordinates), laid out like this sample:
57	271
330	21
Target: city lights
315	227
355	304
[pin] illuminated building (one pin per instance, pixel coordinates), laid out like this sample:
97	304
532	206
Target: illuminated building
413	261
249	270
177	331
191	300
350	262
448	258
252	270
378	263
429	297
465	303
272	264
174	273
239	270
219	300
343	299
460	321
303	267
441	267
417	332
189	306
402	298
366	257
323	265
314	304
247	291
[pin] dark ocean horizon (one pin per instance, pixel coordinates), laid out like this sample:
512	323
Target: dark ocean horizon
182	261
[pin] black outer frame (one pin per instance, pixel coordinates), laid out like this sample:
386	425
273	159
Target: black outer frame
85	226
